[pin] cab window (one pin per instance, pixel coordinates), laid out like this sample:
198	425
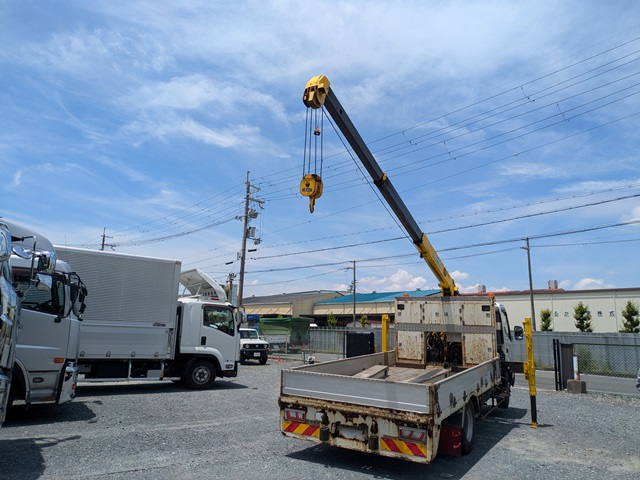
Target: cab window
219	318
41	298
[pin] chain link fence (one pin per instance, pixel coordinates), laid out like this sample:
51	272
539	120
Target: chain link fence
607	368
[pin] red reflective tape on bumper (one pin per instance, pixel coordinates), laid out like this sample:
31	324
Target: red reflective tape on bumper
407	448
301	429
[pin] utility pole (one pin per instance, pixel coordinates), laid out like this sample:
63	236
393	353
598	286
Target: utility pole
248	214
104	237
354	293
533	310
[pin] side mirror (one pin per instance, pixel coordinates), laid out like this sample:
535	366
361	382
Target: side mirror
518	332
5	243
46	262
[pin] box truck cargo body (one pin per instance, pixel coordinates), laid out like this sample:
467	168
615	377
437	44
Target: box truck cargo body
137	326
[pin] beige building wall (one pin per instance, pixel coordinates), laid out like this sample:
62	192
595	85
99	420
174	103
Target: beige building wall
605	306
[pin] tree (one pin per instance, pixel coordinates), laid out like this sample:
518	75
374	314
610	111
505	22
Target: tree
332	321
545	320
631	323
363	321
583	317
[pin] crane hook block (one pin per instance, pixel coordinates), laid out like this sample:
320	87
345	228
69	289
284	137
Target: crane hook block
316	92
311	186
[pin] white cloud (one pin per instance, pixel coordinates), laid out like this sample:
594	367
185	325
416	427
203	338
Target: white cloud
400	280
17	179
591	284
458	275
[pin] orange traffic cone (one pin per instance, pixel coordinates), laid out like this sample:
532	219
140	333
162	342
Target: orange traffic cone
278	358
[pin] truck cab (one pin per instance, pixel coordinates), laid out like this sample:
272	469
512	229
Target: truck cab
46	368
209	326
8	320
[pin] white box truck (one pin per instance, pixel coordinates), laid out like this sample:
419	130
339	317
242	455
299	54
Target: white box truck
137	326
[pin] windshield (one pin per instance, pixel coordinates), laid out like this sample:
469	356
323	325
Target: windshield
249	334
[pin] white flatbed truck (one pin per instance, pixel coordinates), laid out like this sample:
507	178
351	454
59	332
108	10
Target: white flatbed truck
412	402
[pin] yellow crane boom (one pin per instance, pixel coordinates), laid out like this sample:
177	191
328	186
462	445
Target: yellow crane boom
318	94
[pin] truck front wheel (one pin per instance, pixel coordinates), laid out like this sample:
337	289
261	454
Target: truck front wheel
263	358
468	428
200	375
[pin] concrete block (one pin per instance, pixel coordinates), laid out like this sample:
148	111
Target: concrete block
576	386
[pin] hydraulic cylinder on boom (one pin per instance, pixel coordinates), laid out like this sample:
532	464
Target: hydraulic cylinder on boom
318	95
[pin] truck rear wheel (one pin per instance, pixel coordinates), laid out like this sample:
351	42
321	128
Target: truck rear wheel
468	428
504	392
200	375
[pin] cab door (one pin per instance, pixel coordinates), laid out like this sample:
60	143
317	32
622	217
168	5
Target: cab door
220	332
43	337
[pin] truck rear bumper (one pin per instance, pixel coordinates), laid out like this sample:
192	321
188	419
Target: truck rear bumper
370	430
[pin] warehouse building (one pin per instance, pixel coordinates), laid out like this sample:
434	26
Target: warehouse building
605	306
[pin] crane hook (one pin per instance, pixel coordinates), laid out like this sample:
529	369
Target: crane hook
311	186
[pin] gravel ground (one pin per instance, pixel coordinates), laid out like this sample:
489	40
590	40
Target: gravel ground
164	431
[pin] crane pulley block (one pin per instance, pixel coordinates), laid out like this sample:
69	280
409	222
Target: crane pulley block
316	91
311	186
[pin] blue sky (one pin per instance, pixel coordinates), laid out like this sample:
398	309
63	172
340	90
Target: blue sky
495	120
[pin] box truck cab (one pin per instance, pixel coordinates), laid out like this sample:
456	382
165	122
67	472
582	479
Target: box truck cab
51	305
46	364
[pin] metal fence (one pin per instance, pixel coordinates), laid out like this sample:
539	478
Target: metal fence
327	343
608	362
608	368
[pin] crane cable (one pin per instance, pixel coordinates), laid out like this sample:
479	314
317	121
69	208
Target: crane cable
311	184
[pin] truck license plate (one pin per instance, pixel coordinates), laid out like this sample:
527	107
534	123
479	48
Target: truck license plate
256	354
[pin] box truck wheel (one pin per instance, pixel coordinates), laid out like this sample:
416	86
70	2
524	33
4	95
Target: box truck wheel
201	374
468	427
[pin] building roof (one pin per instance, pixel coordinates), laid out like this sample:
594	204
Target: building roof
288	298
378	297
563	291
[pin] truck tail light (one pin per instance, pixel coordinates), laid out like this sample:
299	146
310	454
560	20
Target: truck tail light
412	434
294	415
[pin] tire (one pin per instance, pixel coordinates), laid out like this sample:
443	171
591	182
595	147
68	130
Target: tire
504	394
201	375
263	358
468	428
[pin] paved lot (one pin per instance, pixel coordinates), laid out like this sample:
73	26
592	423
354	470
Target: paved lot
164	431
